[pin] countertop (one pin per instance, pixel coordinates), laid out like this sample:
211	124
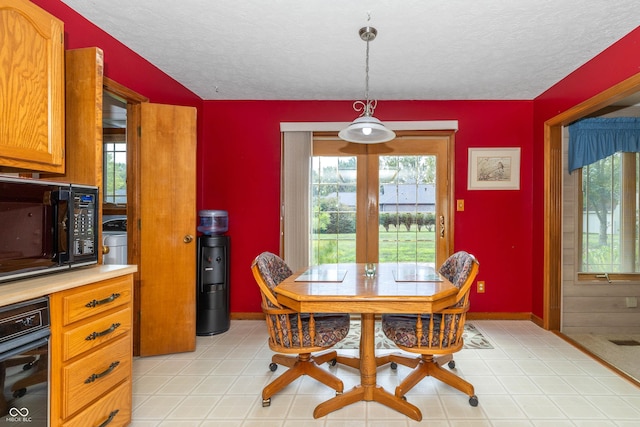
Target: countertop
22	290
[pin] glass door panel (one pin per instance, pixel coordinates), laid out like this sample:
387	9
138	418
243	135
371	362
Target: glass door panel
386	202
407	206
333	209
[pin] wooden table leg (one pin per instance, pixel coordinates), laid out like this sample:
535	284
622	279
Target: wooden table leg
368	390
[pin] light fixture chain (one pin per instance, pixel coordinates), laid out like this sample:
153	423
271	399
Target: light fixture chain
366	79
369	106
366	129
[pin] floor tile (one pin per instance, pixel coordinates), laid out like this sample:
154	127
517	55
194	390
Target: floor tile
531	378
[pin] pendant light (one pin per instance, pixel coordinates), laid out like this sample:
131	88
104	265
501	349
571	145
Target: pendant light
366	129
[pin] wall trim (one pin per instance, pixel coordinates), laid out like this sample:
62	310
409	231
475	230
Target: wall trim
247	316
498	316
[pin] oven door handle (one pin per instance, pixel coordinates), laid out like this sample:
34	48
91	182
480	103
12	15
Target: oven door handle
24	347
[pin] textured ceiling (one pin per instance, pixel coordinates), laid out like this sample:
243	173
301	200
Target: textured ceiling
310	49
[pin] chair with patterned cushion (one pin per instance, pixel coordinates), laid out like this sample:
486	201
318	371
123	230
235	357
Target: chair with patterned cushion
431	334
296	333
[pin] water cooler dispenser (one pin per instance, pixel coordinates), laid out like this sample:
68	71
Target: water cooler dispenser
212	296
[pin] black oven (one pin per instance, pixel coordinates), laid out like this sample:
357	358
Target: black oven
24	363
46	227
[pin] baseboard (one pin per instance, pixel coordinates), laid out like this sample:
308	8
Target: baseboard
246	316
498	316
537	320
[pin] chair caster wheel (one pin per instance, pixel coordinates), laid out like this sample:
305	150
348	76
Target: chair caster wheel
338	393
20	392
451	364
273	367
394	365
333	362
473	400
403	398
266	402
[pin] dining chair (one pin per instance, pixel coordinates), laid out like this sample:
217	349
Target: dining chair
435	334
291	332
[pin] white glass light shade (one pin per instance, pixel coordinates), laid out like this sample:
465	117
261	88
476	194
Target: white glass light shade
367	130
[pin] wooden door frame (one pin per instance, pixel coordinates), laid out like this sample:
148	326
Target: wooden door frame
552	276
133	100
367	248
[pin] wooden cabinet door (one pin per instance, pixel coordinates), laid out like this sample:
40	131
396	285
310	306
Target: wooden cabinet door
165	222
83	118
32	87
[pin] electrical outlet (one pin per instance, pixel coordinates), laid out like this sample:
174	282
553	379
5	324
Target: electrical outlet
480	288
460	205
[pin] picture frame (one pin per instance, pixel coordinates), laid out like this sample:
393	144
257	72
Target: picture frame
494	168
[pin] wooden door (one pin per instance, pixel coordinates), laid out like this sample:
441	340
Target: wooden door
165	223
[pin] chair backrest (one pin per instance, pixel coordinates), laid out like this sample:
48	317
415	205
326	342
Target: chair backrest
269	270
461	269
288	329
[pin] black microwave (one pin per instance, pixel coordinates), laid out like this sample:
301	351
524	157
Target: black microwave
46	227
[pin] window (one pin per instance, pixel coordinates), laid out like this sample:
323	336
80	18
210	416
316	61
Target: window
371	169
609	220
115	166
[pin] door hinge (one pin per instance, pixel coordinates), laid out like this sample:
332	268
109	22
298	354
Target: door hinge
139	132
139	224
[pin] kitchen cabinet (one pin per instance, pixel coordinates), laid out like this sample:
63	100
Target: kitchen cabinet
84	70
91	353
32	87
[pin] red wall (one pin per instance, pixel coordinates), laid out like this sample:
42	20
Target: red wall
240	162
615	64
121	64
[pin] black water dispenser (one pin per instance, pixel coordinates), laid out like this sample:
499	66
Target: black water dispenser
212	312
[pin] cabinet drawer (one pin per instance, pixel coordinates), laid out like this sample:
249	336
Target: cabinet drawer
95	299
95	374
95	333
115	407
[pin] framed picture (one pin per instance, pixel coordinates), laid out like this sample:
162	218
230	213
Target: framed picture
494	169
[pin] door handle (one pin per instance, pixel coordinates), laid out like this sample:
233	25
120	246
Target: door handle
188	238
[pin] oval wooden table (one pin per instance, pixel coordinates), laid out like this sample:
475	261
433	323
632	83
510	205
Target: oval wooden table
343	288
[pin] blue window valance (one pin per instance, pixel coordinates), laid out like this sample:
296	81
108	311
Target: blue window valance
596	138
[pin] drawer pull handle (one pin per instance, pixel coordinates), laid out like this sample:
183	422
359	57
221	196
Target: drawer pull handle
94	335
96	303
112	415
94	377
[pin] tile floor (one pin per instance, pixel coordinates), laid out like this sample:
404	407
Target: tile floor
530	378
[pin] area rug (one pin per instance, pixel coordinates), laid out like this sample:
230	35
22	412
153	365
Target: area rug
473	338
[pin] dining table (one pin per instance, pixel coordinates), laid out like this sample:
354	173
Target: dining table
409	288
